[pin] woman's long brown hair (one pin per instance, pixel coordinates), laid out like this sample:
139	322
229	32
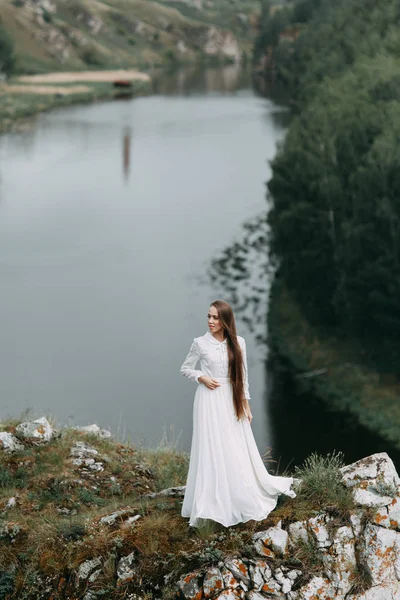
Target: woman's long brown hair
225	314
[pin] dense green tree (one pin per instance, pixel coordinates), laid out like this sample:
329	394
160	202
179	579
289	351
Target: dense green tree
335	221
7	58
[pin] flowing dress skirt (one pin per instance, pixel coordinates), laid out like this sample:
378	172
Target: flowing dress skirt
227	480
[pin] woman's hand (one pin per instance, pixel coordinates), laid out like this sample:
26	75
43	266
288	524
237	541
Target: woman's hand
247	411
209	382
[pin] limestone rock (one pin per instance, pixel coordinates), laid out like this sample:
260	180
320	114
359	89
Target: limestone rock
94	575
259	547
83	450
371	539
373	480
272	541
178	492
316	589
130	521
54	40
298	531
229	595
239	571
119	515
356	522
11	503
229	580
285	582
125	568
340	562
221	42
260	573
181	47
9	443
388	516
190	586
38	431
213	582
94	430
92	21
391	592
293	574
87	567
83	454
318	528
272	588
381	554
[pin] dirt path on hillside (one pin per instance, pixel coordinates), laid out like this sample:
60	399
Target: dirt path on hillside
85	76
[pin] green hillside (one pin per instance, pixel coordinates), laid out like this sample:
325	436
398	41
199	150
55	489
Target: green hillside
79	34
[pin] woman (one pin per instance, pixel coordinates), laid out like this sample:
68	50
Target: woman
227	480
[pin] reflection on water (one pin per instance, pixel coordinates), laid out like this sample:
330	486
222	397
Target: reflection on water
241	274
297	423
109	217
302	424
126	153
243	270
192	80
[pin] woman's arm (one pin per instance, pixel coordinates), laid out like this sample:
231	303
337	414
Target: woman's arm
246	382
188	366
246	376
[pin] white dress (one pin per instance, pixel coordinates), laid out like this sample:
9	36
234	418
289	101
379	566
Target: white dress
227	480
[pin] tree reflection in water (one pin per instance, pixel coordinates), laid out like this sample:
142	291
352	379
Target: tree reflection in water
298	422
242	274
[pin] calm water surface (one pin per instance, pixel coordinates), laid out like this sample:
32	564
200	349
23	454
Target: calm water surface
119	223
109	217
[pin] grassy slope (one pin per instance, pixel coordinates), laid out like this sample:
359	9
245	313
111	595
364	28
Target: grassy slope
43	546
348	384
120	42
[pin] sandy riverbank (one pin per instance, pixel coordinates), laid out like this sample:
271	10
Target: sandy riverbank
86	76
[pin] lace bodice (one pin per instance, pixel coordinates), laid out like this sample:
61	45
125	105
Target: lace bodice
213	357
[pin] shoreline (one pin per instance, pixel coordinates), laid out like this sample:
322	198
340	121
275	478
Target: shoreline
59	90
332	369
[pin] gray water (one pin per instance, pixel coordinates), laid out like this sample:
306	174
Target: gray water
109	217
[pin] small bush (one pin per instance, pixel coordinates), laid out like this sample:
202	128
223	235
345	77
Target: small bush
92	56
47	16
6	584
52	493
88	497
170	55
321	482
72	530
9	479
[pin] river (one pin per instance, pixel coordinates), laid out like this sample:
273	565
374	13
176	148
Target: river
109	217
119	223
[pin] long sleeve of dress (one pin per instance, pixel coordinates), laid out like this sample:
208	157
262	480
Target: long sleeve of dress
246	376
188	366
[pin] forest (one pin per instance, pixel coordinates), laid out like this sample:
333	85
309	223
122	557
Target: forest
335	221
